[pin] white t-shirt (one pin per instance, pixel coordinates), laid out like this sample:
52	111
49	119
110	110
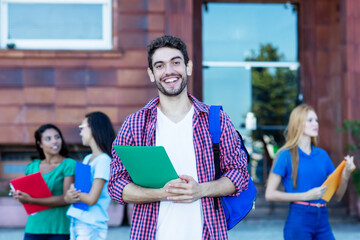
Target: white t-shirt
179	221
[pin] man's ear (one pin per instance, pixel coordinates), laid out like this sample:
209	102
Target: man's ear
151	75
189	68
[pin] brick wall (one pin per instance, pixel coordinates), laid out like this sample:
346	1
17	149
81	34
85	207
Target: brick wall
60	87
37	87
350	51
321	69
350	44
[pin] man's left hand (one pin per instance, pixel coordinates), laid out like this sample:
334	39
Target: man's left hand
188	189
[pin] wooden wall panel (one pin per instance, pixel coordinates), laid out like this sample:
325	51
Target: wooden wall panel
350	45
321	64
61	86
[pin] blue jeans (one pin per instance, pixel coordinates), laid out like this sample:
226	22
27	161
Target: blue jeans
30	236
307	223
83	231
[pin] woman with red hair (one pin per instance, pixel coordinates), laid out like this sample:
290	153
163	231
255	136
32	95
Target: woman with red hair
302	168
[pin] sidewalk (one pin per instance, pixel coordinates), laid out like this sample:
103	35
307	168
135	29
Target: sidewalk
348	229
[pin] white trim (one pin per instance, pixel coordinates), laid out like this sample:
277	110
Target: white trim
251	64
3	24
61	44
56	1
107	24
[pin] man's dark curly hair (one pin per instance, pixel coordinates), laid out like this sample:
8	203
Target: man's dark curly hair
167	41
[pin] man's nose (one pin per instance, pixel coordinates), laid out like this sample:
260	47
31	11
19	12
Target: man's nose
168	68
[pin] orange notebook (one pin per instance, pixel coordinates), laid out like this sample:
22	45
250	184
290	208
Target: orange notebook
333	181
34	185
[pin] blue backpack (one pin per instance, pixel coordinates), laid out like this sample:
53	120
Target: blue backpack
235	207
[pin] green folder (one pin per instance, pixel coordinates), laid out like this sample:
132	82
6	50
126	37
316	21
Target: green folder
148	166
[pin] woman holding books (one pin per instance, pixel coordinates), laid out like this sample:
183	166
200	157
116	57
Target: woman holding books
97	132
303	168
58	172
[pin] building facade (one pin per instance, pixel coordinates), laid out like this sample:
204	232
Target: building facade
60	86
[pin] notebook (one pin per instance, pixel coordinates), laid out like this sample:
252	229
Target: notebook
34	185
333	181
82	182
148	166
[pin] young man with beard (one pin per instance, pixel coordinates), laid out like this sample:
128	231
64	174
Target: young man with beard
184	208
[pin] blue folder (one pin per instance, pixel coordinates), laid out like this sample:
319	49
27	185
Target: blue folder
82	182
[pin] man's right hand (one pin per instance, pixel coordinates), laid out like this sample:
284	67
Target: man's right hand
167	189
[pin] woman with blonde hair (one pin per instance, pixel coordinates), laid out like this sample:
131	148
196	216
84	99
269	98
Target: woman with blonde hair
302	168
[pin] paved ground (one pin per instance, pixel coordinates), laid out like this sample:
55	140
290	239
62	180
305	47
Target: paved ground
348	229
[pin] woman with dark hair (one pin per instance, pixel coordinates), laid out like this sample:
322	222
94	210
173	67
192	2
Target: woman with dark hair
58	172
97	132
303	168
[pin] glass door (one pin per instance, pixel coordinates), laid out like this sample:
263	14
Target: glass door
250	67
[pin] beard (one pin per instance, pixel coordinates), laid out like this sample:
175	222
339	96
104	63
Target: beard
174	92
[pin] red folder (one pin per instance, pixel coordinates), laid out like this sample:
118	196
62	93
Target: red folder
34	185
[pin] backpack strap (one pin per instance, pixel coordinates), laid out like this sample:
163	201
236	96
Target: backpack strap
215	132
214	123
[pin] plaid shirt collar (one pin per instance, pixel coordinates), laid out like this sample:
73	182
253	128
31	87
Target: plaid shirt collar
198	106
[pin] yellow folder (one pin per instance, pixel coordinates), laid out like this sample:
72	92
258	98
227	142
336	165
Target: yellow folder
148	166
333	181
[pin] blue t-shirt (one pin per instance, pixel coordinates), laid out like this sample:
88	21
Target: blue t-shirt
97	214
313	170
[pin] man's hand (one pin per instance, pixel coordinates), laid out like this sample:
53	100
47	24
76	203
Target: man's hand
186	190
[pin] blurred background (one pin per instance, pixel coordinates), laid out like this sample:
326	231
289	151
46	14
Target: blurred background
60	59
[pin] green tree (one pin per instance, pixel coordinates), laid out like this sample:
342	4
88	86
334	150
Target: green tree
274	91
352	129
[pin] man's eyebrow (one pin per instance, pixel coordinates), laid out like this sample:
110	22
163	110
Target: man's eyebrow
176	57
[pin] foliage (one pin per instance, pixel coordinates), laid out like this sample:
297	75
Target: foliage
274	91
356	178
352	129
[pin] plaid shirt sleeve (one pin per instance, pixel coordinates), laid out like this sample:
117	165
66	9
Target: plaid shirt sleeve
119	177
233	157
233	164
137	130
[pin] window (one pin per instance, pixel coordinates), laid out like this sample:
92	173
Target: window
56	24
251	68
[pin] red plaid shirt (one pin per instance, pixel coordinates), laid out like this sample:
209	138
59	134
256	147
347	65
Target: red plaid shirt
139	130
